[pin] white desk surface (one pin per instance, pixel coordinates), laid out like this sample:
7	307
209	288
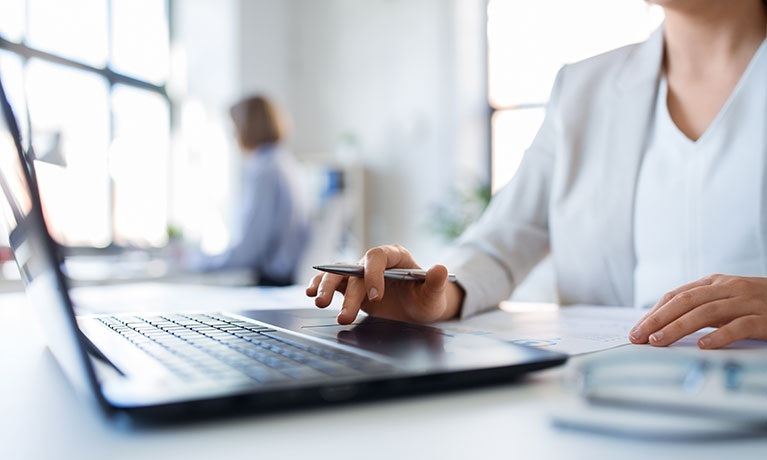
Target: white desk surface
42	417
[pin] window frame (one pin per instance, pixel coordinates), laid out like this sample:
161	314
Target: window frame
112	77
493	109
648	18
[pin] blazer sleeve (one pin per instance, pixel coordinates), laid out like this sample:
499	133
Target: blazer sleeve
512	236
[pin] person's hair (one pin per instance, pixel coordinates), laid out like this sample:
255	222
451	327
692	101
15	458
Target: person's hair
256	121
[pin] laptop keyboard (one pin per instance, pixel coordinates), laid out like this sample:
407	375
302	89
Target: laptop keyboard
226	349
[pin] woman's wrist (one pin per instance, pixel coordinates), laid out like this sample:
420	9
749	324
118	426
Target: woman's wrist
454	295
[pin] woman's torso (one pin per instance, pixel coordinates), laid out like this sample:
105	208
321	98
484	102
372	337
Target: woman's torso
603	116
697	206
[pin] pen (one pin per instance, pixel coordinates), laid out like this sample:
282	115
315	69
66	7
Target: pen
406	274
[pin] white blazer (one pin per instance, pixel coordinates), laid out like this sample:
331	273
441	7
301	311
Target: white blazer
573	195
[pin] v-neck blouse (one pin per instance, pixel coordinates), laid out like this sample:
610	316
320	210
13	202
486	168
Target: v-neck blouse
699	204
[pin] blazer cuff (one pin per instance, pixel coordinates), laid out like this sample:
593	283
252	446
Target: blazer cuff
484	282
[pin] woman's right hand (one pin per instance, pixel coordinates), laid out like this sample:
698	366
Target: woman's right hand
434	299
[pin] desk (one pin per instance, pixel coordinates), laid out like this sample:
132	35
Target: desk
41	417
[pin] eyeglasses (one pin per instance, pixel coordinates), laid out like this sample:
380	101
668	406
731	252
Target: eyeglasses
665	379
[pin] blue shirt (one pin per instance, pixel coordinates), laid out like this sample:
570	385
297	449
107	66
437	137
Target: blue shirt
273	223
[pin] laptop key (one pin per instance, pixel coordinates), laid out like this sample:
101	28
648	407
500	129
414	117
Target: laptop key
224	349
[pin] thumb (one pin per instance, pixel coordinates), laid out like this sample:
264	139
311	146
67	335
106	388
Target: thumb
434	285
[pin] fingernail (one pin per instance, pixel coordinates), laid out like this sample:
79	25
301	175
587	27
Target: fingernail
342	312
705	342
373	293
656	337
635	333
321	294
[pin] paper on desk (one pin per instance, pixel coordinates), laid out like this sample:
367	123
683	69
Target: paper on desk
572	330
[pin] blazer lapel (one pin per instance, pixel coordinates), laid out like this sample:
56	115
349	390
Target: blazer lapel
630	117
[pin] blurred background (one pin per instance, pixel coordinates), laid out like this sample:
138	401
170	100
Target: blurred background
406	115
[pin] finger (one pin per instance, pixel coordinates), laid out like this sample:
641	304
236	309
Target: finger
671	294
744	327
674	308
709	314
355	294
311	289
376	261
328	285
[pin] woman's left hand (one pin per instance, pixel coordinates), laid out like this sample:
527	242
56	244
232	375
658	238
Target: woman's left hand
736	305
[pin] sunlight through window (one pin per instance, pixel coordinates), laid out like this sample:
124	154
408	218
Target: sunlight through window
527	44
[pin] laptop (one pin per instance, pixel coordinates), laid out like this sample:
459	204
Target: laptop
155	365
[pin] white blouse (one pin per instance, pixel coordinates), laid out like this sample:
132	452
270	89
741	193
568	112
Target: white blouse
699	204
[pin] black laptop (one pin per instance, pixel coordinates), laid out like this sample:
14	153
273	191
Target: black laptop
157	365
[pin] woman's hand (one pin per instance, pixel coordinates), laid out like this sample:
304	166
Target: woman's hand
434	299
736	305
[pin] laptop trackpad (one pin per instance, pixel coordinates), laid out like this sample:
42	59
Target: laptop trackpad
413	345
392	338
387	337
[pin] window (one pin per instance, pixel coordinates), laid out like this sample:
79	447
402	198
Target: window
75	29
528	42
87	79
138	162
74	186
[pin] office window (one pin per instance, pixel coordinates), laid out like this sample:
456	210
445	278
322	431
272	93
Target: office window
528	42
74	29
144	55
138	161
12	18
69	114
12	68
90	77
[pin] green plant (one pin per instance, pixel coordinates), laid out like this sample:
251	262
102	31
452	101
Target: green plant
174	232
462	208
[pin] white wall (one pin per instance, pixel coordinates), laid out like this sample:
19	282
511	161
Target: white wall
404	77
266	46
205	79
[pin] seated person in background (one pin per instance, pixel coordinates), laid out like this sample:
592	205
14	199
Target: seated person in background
273	222
646	180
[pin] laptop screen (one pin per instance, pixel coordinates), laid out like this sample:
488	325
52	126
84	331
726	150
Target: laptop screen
36	254
21	209
13	178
